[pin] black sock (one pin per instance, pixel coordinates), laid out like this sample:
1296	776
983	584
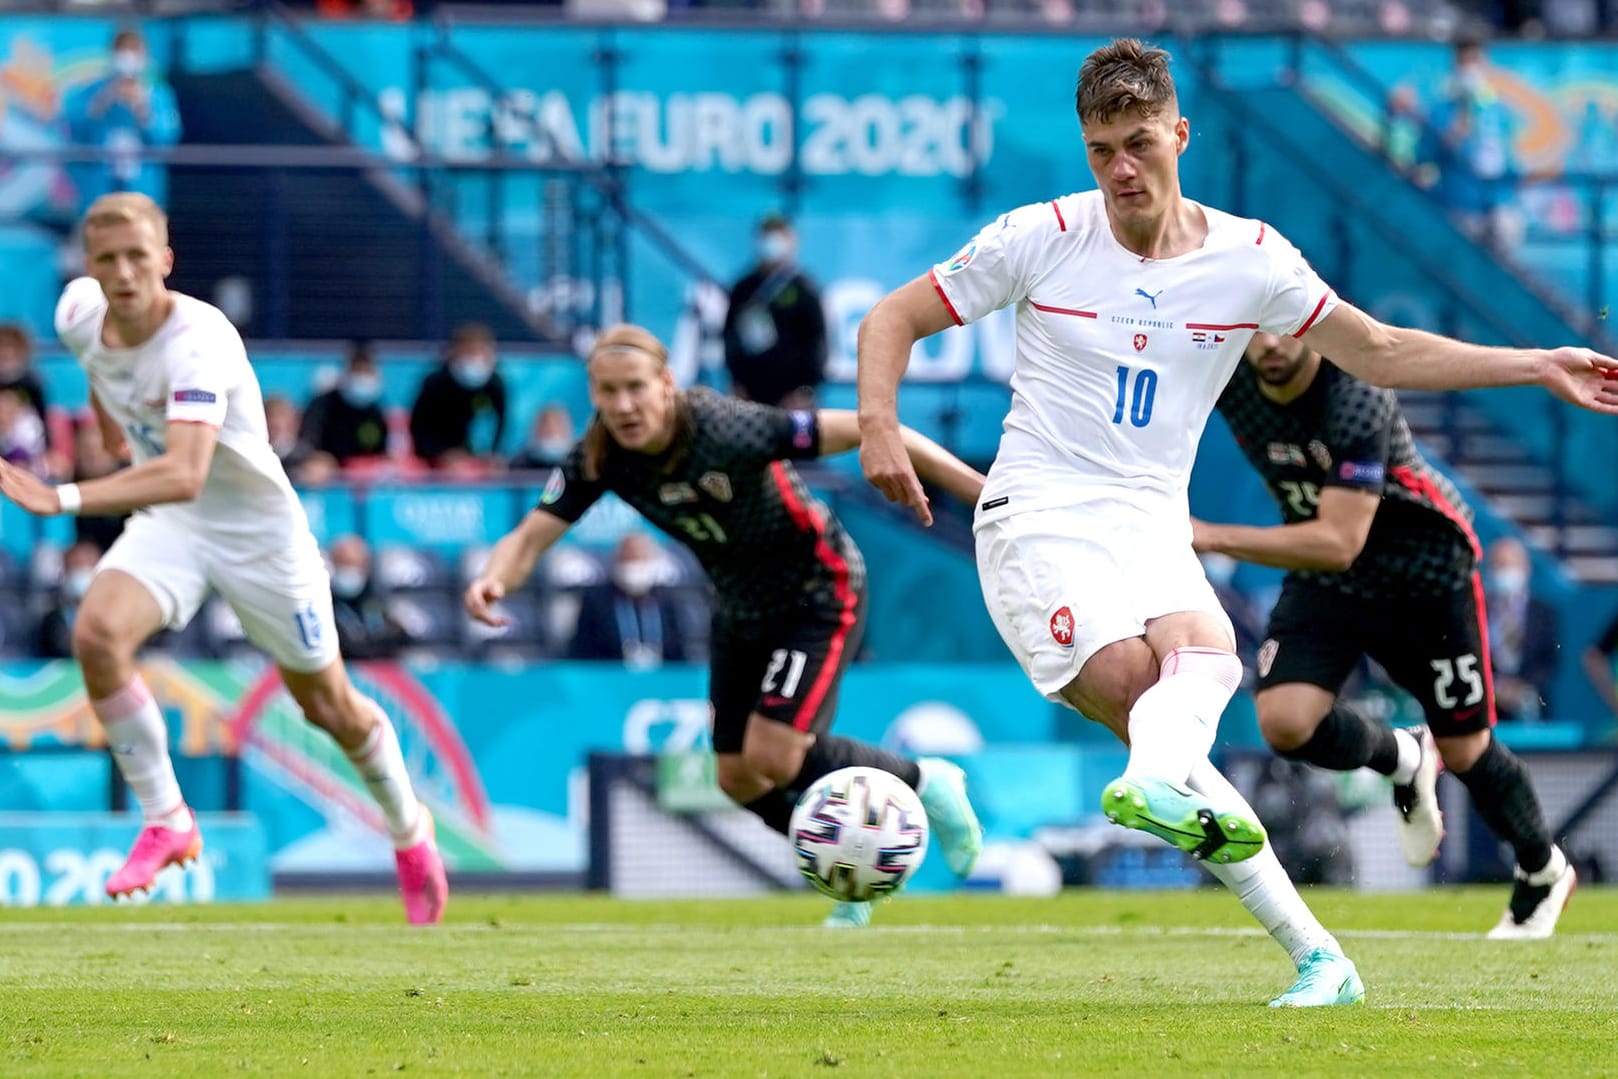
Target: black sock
773	807
1504	796
831	752
1346	740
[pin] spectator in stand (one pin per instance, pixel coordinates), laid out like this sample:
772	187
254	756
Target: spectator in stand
632	618
347	421
549	440
1472	133
303	464
1601	666
125	111
390	10
775	328
17	372
22	434
1523	639
460	410
365	629
92	459
55	634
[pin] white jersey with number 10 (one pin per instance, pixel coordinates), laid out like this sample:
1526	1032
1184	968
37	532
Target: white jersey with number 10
1120	358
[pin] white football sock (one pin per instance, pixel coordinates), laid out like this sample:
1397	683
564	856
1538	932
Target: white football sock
1174	723
1259	883
380	764
139	742
1409	756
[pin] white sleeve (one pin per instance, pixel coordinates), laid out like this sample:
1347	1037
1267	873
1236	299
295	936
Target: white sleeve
990	271
1297	298
203	363
77	312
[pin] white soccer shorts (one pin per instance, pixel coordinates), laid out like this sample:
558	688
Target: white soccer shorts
281	597
1061	584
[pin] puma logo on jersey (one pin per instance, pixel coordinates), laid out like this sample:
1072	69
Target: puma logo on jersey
1150	295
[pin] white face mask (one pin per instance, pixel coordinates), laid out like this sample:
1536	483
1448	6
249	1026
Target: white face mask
471	372
636	577
1510	581
128	62
775	247
76	583
347	582
553	449
361	391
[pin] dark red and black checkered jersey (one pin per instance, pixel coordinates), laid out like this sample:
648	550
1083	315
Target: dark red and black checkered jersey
1342	432
730	495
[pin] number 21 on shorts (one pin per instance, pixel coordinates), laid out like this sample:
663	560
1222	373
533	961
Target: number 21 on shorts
1135	396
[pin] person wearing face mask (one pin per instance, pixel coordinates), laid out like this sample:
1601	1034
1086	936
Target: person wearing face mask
1470	142
549	440
55	635
775	328
347	421
365	630
1523	639
127	110
630	619
460	410
302	464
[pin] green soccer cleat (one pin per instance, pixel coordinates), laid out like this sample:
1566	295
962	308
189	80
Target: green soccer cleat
1325	978
1183	818
848	916
950	814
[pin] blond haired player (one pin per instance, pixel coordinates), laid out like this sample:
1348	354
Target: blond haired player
213	510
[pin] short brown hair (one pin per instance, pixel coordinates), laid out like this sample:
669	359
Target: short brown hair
1125	76
15	334
126	208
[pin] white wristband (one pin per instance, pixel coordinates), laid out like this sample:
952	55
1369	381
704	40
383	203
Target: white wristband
68	494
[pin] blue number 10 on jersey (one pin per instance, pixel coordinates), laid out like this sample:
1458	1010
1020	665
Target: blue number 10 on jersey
1140	411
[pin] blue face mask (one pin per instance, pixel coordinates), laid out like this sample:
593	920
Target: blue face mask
362	391
471	373
775	247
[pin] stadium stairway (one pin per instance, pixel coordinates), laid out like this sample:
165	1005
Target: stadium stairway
1370	229
359	253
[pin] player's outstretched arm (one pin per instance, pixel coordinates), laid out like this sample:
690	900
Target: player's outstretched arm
900	319
511	563
840	432
1402	358
176	475
1330	543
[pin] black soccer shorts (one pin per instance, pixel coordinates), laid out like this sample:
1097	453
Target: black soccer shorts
1433	647
789	671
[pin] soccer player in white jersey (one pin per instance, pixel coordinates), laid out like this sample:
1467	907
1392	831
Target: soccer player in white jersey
1133	306
169	376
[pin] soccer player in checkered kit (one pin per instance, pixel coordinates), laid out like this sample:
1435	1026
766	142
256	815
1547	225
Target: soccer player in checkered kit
213	511
1133	306
716	474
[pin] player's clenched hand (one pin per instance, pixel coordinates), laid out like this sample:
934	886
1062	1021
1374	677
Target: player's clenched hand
481	596
1584	377
887	466
29	491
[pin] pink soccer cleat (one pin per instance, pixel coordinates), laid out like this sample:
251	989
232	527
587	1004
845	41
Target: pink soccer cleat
421	879
155	849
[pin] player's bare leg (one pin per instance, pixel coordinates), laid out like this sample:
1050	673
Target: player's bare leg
1106	691
1172	727
1304	722
117	615
358	724
1503	792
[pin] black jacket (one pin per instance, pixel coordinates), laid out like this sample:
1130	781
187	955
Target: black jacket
332	425
442	417
798	356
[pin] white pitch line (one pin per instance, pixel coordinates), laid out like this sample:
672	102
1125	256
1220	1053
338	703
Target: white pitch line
660	928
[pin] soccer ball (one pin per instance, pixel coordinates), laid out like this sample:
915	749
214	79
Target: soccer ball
859	833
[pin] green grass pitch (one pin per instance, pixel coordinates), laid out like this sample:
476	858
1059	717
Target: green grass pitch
1090	983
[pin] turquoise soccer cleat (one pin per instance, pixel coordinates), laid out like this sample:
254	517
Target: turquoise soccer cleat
1325	978
1183	818
848	916
950	814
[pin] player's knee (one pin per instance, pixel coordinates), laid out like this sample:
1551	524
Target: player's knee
777	762
1285	729
98	637
738	780
1461	751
